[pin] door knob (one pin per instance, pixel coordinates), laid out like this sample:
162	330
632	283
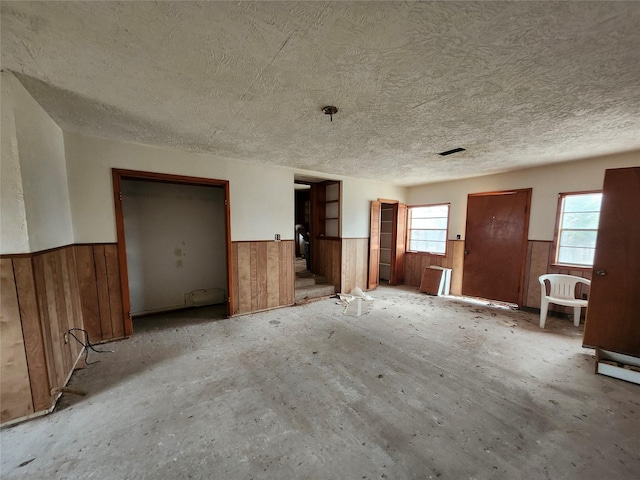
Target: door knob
466	252
601	273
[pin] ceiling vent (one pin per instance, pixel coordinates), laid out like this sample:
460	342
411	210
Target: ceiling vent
449	152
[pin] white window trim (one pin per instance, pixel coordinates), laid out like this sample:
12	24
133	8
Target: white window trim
558	231
409	229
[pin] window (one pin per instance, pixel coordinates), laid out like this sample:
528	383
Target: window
428	228
577	228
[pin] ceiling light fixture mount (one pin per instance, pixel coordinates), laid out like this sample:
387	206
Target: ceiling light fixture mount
330	110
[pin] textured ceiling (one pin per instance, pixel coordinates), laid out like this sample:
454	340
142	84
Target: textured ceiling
515	83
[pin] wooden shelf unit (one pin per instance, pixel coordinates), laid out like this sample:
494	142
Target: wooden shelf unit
386	241
327	223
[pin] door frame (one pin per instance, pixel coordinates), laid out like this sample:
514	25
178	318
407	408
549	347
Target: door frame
118	175
525	239
398	243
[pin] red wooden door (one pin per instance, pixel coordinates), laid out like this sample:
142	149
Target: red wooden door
496	245
613	313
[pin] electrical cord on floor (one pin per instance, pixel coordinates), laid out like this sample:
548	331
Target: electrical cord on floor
86	344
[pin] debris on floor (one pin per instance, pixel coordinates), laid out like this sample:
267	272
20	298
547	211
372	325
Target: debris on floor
356	303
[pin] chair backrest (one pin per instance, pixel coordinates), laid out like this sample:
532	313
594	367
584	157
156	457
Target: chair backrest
562	286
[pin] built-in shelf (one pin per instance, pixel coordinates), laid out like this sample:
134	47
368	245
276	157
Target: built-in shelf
386	235
327	218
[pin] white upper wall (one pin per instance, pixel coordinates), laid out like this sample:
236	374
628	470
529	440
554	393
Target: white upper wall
356	204
547	182
42	169
355	201
14	236
262	198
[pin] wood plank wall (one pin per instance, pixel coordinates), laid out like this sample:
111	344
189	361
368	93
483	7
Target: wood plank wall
326	260
98	273
14	373
263	275
45	287
415	263
44	295
539	262
355	262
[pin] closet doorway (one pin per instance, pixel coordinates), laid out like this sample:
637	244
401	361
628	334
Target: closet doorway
173	242
387	242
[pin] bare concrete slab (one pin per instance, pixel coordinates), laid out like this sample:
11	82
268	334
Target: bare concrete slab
421	387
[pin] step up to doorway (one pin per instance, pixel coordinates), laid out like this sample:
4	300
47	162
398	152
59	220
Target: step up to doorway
314	291
306	281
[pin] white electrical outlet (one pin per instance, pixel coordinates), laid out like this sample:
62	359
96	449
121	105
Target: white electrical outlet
277	237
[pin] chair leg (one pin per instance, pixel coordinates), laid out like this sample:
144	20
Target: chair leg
576	316
544	306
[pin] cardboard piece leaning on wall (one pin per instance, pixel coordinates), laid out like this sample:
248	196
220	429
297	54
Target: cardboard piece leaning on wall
430	282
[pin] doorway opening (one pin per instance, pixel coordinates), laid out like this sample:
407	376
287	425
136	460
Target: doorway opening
317	237
302	228
173	243
387	242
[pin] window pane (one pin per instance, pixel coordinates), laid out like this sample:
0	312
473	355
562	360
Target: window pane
415	245
576	256
427	246
432	211
578	238
438	223
581	220
438	235
589	202
578	228
428	228
436	247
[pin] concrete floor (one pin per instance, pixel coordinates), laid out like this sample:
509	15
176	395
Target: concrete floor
421	387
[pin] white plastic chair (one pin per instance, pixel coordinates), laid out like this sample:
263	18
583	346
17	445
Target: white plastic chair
562	292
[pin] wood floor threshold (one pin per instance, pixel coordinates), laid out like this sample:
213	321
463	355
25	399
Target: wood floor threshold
263	310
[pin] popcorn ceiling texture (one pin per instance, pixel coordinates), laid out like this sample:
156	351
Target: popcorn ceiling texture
516	83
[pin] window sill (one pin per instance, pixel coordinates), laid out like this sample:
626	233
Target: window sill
571	267
427	253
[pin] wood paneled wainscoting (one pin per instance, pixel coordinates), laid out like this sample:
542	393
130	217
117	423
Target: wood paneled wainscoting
415	263
43	296
539	262
355	262
326	260
263	275
98	273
